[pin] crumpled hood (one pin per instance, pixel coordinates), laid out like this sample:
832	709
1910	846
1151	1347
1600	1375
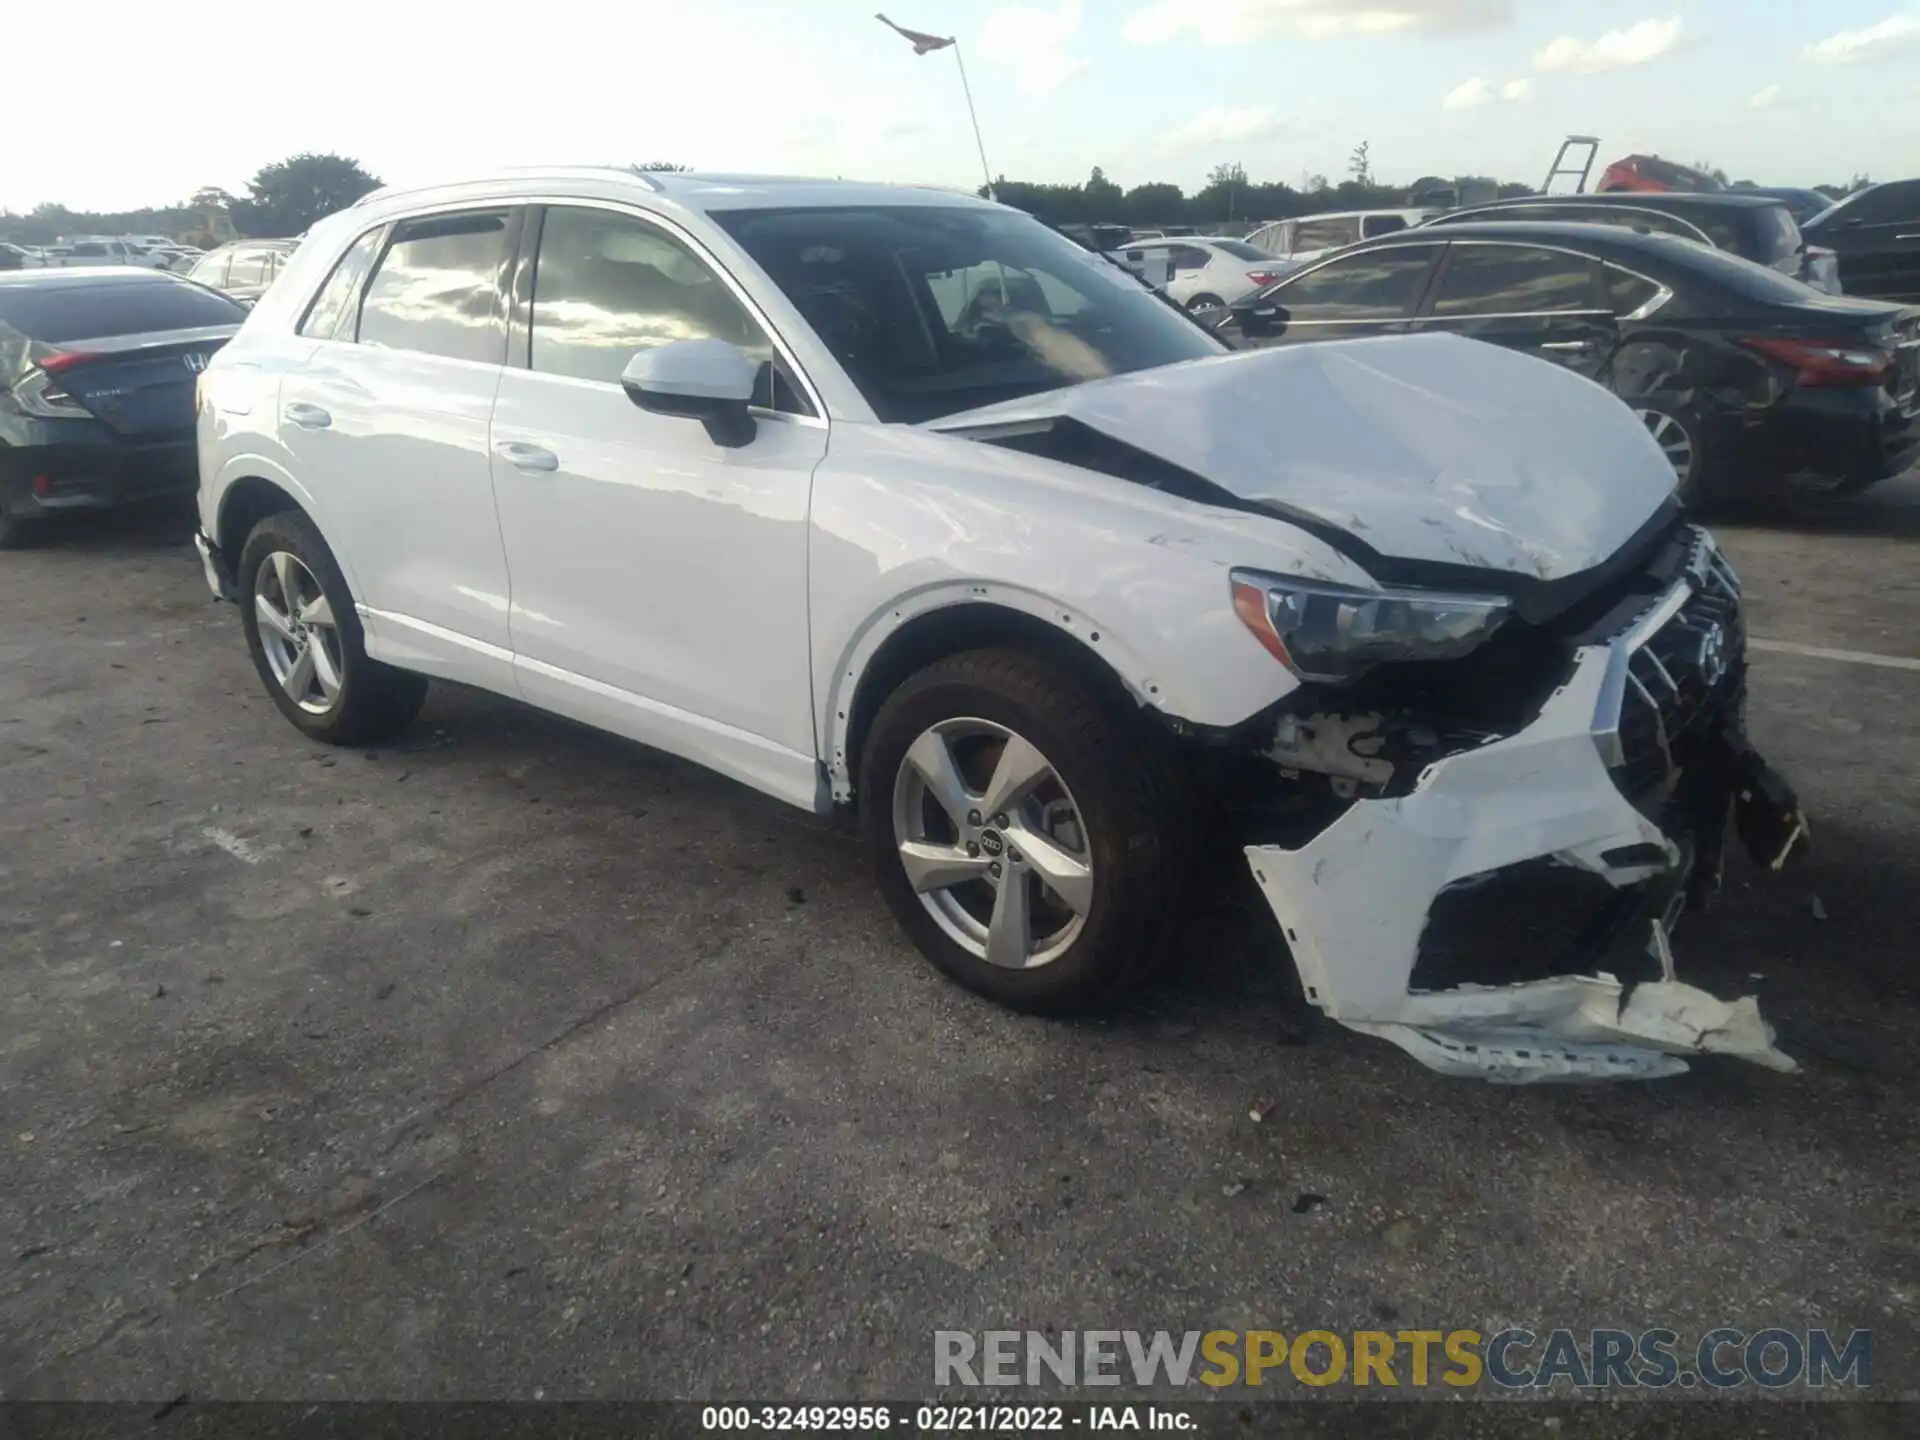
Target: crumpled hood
1423	448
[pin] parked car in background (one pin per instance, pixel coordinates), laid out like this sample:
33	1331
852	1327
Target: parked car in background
97	372
1742	375
1876	234
95	251
746	469
1753	227
1204	273
1651	174
1805	204
1307	238
16	257
243	269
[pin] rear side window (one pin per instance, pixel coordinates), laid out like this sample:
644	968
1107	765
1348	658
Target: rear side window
1513	280
249	267
437	290
1627	293
1240	250
1379	285
332	313
1325	234
118	306
1374	225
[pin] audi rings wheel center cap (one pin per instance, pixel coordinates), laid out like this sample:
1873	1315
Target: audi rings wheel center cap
991	844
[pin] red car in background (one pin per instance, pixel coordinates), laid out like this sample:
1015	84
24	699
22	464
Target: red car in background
1650	172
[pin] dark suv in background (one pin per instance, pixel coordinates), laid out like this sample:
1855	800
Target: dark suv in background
1876	234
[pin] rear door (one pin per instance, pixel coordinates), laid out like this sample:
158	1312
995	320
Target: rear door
1877	237
1543	300
1371	292
386	423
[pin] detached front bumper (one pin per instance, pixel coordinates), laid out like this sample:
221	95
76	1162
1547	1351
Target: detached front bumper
1569	790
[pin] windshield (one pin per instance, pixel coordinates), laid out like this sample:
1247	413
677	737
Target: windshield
1240	250
936	309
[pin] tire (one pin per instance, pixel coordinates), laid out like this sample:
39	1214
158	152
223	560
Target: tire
1699	485
344	697
1111	786
15	533
1200	303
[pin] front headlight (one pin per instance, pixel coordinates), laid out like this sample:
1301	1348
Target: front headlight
1334	632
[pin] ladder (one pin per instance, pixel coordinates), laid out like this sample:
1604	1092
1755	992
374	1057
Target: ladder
1563	166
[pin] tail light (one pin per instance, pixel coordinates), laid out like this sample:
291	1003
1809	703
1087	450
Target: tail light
65	361
1827	364
1263	278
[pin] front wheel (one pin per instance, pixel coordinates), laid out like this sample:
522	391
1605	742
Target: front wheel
305	638
1207	309
1025	833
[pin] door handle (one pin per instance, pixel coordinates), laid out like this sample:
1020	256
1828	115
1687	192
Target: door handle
534	459
308	417
1568	345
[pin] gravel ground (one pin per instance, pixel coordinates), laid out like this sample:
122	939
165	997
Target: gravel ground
516	1061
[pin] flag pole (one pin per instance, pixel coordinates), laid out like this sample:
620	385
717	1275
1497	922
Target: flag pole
986	170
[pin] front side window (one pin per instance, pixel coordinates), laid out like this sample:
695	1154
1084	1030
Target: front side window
1513	280
437	290
935	309
1377	285
606	285
1189	258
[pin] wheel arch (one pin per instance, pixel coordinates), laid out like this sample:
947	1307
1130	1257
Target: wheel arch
915	633
251	488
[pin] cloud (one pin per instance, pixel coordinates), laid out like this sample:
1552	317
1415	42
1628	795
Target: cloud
1472	94
1033	44
1229	125
1872	42
1614	50
1761	99
1468	95
1238	22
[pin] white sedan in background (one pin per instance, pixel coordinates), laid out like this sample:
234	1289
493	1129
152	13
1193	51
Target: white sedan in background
1205	273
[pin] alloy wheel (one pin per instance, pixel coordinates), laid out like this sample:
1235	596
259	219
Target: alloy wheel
993	843
1672	438
298	632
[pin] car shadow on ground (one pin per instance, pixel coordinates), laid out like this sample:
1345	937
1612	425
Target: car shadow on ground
1889	510
133	529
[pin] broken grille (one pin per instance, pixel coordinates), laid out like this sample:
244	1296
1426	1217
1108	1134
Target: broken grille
1685	667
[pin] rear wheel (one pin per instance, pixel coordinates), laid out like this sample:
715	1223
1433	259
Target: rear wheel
1681	438
305	638
1025	833
15	533
1206	308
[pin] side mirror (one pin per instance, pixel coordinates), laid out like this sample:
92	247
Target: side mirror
1264	318
705	380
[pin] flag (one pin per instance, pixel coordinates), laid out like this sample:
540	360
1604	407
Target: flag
922	42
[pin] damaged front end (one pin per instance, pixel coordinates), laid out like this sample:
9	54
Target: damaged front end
1604	751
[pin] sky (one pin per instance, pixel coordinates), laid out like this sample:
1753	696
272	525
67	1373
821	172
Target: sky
1787	92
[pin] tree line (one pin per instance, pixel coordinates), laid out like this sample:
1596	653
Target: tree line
285	198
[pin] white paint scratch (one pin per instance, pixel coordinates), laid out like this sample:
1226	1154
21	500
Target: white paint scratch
243	850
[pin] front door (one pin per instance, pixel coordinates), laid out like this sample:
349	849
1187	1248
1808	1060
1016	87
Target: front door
1544	301
659	579
387	418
